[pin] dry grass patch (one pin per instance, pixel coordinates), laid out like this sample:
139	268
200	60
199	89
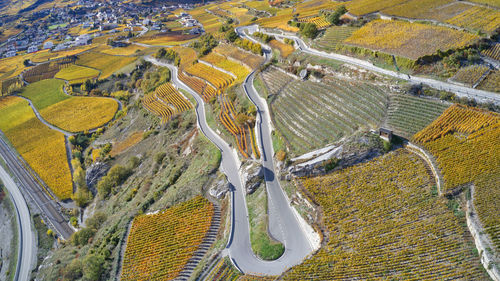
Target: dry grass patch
130	141
285	49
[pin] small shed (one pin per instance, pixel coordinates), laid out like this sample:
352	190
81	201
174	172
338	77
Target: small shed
385	134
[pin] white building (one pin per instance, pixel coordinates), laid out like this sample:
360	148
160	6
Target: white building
32	49
10	54
48	45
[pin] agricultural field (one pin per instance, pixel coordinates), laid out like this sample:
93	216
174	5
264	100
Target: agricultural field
384	211
216	78
262	6
210	22
409	40
250	60
491	82
165	102
311	115
75	74
363	7
159	245
477	18
167	39
73	114
205	90
320	22
334	37
188	56
130	50
471	75
79	114
285	49
107	64
466	144
408	114
492	3
492	52
238	69
42	148
13	66
416	9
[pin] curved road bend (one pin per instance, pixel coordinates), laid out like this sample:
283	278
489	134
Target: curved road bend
289	231
460	91
34	192
27	249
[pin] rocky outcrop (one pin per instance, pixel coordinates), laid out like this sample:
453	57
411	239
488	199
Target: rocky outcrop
94	173
254	180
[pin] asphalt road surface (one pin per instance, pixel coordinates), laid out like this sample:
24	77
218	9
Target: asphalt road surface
284	225
27	247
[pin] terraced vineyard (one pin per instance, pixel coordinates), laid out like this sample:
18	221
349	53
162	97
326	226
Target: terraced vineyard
311	115
418	39
383	212
334	37
408	114
42	148
165	102
205	90
216	78
73	114
320	22
238	69
491	82
466	144
471	75
493	52
159	245
477	18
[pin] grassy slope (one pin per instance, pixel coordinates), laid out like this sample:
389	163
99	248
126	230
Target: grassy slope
45	93
262	245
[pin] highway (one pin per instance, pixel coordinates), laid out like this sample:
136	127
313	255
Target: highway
461	91
27	248
284	225
34	191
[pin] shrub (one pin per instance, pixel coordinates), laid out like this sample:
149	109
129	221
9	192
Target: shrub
92	267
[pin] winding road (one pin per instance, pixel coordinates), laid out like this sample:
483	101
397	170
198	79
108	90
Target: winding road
284	225
461	91
26	248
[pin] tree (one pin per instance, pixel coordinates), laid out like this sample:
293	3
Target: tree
334	18
309	30
26	62
241	119
92	267
231	36
73	271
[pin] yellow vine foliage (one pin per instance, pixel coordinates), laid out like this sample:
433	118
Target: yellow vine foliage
380	215
42	148
466	144
159	245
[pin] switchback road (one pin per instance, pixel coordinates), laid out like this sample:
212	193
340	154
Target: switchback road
27	248
284	225
461	91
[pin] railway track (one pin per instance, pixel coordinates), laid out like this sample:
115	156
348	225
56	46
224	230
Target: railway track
36	192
